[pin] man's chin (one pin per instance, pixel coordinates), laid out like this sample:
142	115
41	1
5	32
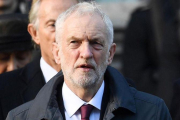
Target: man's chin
85	81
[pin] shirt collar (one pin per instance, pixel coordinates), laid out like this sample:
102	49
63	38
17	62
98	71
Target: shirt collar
47	70
72	102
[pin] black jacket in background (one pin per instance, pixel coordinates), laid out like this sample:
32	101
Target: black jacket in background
20	86
125	102
153	64
140	55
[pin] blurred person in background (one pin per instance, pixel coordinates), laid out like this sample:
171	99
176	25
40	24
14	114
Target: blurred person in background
175	104
13	6
28	4
22	85
15	42
152	48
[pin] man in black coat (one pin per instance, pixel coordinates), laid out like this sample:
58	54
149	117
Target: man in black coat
22	85
88	88
152	48
175	104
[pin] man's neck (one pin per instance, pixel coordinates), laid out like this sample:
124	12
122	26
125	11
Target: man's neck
47	70
53	64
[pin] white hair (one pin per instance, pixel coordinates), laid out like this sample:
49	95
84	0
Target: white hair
33	14
81	9
34	11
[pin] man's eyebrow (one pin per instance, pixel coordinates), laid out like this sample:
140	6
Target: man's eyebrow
96	38
79	38
74	38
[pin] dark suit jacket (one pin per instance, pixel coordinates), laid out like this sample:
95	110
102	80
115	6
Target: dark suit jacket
20	86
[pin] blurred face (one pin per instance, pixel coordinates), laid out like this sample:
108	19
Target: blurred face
48	13
13	60
8	4
84	53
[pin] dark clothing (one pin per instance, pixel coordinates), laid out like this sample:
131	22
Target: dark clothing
152	63
125	102
140	56
175	105
20	86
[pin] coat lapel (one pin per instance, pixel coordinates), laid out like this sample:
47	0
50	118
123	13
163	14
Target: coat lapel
33	78
120	94
46	103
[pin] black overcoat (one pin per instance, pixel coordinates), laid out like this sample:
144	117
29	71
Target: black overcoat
20	86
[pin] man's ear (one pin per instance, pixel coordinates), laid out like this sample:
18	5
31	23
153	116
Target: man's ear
112	51
33	32
55	51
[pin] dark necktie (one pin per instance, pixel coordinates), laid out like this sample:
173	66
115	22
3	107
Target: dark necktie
86	111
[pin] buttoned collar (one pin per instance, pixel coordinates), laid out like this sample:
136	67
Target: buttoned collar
47	70
72	102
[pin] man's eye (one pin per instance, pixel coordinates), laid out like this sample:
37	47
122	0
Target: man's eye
95	42
97	45
53	25
74	42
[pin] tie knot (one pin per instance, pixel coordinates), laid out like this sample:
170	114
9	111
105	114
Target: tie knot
86	111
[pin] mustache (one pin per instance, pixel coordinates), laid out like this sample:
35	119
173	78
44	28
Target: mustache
88	63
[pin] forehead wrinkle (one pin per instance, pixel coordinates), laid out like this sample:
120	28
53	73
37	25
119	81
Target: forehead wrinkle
92	28
87	34
74	34
98	33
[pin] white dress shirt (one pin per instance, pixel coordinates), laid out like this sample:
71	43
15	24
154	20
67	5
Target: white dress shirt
72	103
47	70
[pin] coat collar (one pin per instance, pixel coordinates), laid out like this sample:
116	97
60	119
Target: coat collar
43	106
121	96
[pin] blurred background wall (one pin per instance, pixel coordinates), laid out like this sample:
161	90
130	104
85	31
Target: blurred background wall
119	12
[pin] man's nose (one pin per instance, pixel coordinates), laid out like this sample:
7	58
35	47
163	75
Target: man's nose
12	65
86	51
